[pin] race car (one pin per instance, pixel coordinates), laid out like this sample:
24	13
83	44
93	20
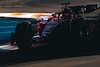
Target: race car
70	26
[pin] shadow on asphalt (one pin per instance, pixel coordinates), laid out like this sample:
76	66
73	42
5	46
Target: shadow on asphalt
48	52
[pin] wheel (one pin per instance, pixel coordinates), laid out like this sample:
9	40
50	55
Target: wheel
23	35
78	32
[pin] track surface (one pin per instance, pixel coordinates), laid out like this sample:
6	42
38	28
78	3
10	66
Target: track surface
53	55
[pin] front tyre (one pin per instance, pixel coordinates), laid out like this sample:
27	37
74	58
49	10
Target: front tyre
23	35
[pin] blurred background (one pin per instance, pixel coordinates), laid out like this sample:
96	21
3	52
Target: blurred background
39	5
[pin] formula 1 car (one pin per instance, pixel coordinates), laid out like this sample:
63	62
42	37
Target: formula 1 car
65	28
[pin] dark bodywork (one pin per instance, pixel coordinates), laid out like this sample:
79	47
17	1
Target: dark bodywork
75	29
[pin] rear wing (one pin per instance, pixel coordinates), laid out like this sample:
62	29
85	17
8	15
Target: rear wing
85	8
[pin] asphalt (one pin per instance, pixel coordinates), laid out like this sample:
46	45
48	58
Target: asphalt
62	54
